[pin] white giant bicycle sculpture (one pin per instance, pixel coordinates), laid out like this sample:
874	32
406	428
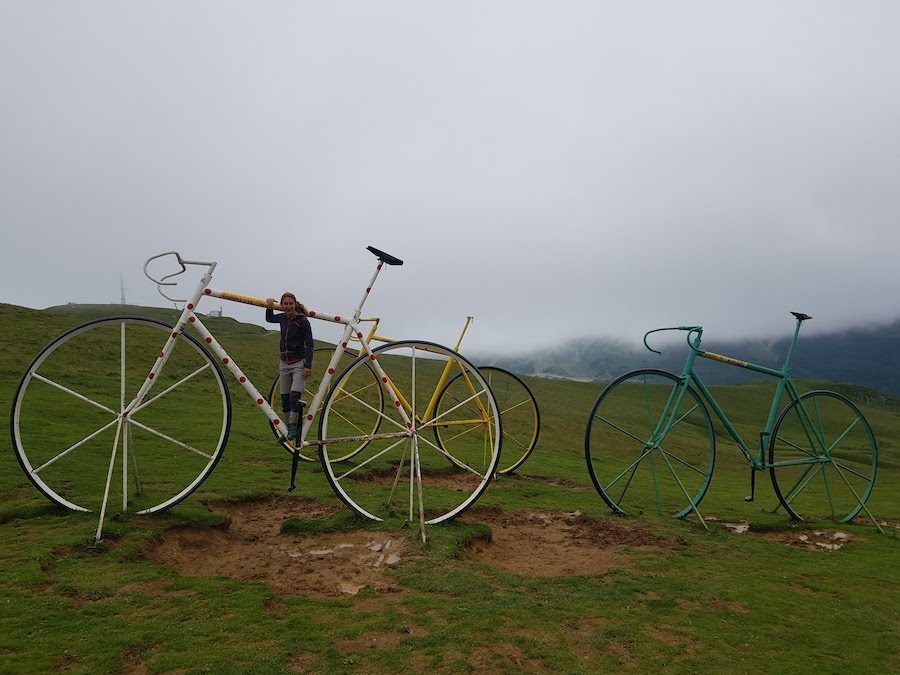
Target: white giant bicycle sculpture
151	398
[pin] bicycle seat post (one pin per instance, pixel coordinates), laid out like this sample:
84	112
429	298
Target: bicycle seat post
357	313
382	259
786	369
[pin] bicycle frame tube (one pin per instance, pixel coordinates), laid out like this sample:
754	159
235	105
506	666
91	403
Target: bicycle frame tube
445	375
189	317
351	329
784	386
185	318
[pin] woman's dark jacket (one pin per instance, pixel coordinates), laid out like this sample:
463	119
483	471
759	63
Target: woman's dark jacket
296	337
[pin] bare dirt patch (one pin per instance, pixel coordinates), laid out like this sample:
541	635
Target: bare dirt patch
549	480
370	641
544	544
458	480
813	540
730	606
648	596
713	604
157	588
667	636
64	664
133	662
301	663
503	656
336	564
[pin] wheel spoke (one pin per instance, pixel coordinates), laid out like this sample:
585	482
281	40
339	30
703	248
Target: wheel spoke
357	467
473	425
842	436
355	393
513	407
623	465
646	388
71	392
628	482
390	498
817	430
419	381
828	491
620	429
517	410
350	422
470	409
367	388
171	388
859	500
679	420
379	413
805	479
849	470
73	447
112	462
434	420
174	441
453	459
631	467
683	462
510	437
796	447
683	490
103	356
814	435
467	377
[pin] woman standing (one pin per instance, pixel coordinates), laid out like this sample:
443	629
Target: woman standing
296	354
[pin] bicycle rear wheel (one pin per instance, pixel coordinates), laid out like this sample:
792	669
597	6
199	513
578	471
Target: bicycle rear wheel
518	410
823	457
321	359
646	451
68	406
402	470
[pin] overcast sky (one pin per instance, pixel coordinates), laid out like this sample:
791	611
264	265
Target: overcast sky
557	169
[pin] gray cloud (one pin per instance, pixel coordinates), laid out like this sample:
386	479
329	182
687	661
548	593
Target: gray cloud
556	169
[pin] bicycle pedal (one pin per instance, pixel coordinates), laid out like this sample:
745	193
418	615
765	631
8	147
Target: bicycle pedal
749	498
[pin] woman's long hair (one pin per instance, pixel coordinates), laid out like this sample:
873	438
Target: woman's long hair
300	306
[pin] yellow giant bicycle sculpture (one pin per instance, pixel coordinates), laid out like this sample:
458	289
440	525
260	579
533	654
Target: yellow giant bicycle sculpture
519	412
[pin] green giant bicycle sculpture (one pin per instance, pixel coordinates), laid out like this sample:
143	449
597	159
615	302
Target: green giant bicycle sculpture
650	444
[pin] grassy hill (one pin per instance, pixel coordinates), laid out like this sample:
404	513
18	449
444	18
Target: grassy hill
705	601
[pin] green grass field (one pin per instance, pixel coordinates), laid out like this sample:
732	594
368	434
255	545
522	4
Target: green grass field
673	598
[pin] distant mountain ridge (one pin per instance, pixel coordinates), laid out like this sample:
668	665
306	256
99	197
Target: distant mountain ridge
869	357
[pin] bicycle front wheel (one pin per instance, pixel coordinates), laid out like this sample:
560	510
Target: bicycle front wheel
403	471
650	445
68	433
823	457
321	359
520	416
